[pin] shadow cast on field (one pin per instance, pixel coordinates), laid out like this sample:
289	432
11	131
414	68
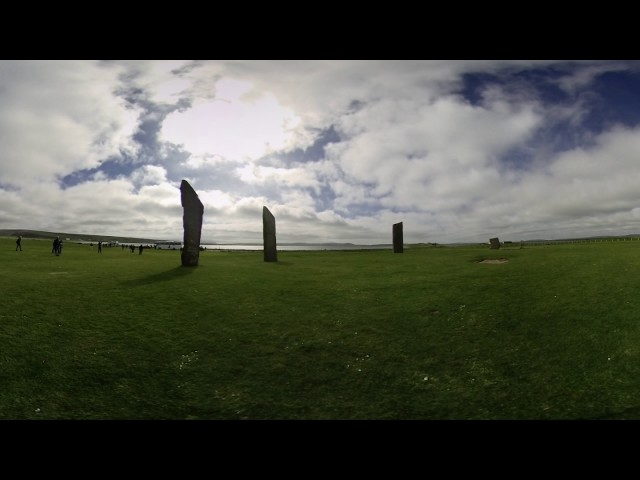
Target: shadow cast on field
173	274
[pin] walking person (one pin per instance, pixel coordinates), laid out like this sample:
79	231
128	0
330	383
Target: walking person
19	243
140	249
100	246
56	246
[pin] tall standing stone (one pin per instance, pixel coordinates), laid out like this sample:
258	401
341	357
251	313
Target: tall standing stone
398	241
269	236
495	243
192	224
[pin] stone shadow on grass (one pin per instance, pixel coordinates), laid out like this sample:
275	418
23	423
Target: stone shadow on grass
173	274
280	263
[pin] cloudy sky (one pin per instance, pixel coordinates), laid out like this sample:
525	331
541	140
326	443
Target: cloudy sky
459	151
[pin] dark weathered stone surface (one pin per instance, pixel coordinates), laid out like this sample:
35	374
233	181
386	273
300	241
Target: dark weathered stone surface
495	243
192	223
398	241
269	236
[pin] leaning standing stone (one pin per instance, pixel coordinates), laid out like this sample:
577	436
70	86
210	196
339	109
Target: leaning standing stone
192	224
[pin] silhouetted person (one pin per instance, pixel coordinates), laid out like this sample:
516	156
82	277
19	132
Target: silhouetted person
140	249
100	246
59	252
56	246
19	243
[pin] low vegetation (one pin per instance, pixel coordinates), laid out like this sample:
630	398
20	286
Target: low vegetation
432	333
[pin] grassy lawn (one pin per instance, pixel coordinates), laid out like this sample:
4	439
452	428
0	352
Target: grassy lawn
427	334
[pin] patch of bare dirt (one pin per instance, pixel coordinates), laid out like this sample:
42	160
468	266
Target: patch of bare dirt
495	260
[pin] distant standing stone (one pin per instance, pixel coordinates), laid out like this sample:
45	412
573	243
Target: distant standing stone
495	243
398	241
192	224
269	236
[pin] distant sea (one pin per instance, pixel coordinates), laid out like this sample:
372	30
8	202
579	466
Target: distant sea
299	247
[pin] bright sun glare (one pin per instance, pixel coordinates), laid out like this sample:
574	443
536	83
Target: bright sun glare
234	126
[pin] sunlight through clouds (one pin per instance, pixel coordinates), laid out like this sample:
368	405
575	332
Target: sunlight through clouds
216	199
234	126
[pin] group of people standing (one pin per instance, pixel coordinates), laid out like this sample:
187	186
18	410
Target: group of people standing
132	248
57	246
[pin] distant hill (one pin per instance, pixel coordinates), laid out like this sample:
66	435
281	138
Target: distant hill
584	239
74	237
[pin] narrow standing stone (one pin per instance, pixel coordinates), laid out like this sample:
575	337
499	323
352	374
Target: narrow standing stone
269	236
398	241
192	224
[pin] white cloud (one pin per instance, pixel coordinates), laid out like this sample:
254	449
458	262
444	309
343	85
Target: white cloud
149	175
163	195
158	79
59	116
430	155
295	177
584	76
198	161
234	125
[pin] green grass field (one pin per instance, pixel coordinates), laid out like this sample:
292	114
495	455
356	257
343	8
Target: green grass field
427	334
